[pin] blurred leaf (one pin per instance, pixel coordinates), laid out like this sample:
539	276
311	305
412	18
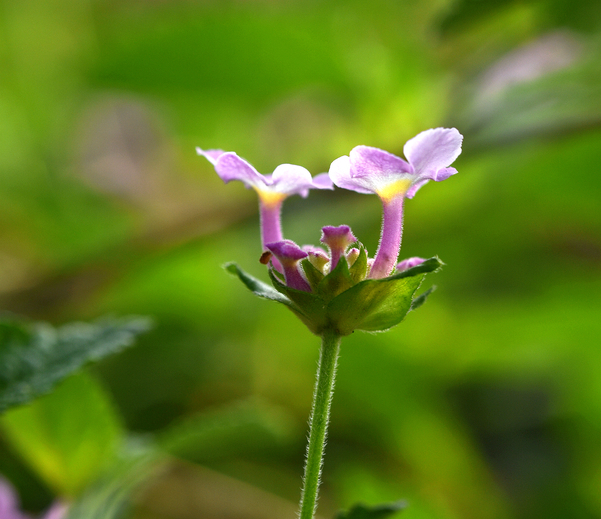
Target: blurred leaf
190	491
137	464
372	512
67	437
35	357
238	428
244	47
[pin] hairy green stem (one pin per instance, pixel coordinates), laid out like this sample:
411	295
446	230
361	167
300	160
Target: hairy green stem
318	423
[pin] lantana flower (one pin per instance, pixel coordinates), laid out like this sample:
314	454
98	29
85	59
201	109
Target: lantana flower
338	291
286	180
370	170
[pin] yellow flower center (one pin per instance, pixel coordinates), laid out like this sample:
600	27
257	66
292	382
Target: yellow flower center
270	198
394	189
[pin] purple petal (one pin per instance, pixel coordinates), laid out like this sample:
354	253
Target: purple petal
342	233
444	173
415	187
322	181
291	180
231	167
409	263
210	155
370	170
432	151
286	250
377	164
340	173
337	239
289	253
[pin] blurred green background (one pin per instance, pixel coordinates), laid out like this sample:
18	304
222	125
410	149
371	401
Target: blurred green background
486	403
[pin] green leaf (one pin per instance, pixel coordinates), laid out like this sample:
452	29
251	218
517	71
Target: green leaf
35	357
307	307
67	437
257	287
372	512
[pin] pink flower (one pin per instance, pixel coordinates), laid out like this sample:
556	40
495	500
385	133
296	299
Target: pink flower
371	170
286	180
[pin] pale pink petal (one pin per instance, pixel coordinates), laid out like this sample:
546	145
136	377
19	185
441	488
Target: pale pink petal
210	155
291	180
340	173
231	167
286	250
377	164
432	151
337	239
415	187
323	181
289	254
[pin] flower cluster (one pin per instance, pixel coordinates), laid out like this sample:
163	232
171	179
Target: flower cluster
325	277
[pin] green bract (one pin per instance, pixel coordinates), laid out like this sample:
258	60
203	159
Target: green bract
343	301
